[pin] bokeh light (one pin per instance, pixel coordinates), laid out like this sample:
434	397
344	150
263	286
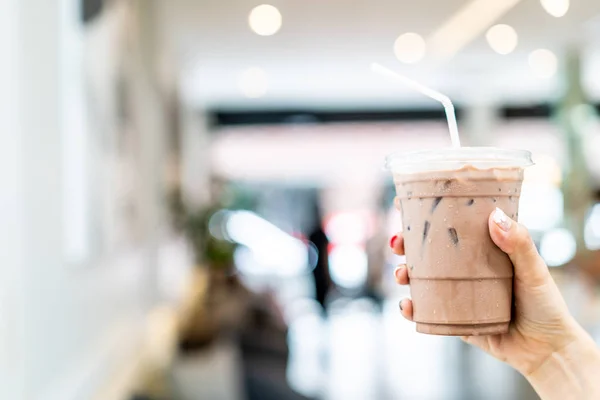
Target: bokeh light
347	228
558	247
541	207
543	63
556	8
348	266
410	48
546	170
267	249
265	20
503	39
591	233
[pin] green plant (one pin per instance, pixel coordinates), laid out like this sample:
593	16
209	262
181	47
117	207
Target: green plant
194	224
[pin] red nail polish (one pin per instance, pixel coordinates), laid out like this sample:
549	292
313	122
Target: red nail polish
393	240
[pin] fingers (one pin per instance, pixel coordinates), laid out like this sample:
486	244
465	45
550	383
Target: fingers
401	275
406	309
513	239
397	244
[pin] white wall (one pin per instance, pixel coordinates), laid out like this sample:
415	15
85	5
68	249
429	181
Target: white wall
11	372
65	328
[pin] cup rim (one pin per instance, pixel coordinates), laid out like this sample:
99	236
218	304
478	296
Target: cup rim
458	157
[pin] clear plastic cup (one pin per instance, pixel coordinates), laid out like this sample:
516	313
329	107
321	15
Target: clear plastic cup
461	282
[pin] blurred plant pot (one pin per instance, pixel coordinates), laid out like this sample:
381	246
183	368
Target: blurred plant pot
216	302
198	326
227	298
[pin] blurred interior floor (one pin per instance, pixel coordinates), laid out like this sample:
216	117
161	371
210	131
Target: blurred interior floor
372	355
362	352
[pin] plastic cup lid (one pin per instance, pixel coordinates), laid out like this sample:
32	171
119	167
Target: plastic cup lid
455	158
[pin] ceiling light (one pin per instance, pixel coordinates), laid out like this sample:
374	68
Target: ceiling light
543	63
556	8
502	38
465	25
265	20
409	48
254	83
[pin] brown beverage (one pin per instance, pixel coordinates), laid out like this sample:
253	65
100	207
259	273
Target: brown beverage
460	281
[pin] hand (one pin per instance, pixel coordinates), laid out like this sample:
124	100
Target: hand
542	328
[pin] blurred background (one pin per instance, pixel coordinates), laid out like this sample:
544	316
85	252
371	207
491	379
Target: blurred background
194	204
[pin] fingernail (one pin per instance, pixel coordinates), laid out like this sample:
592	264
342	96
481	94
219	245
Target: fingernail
502	220
393	240
397	270
400	304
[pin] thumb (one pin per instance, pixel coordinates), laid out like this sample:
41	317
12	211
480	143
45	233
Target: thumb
514	239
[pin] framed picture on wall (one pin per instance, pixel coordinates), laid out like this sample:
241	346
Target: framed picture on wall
102	144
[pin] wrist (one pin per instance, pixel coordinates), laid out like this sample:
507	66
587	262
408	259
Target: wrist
570	372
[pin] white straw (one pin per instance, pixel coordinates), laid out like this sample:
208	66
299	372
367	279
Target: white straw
448	106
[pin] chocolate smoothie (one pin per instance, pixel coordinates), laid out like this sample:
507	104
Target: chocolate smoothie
461	282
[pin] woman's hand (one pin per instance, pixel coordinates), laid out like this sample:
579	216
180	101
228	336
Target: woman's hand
543	341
